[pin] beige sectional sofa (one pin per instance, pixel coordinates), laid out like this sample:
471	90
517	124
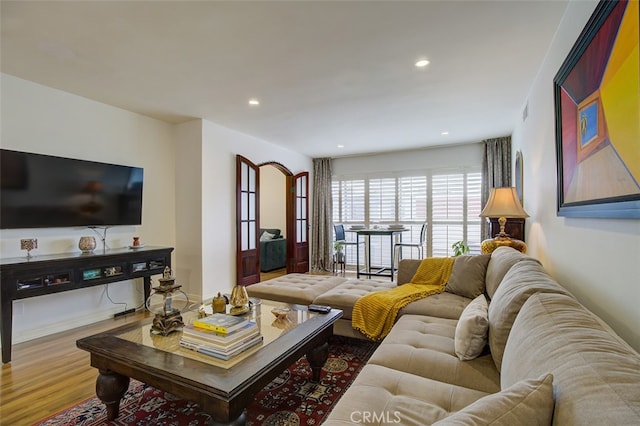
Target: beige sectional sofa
548	360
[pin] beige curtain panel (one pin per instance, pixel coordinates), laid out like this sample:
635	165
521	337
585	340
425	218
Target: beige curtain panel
496	171
321	218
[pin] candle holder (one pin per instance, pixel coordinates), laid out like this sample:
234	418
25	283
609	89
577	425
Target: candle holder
167	302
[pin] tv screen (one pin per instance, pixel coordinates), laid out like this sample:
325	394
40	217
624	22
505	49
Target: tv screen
43	191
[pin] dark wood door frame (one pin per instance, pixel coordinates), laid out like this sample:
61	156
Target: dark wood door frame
248	256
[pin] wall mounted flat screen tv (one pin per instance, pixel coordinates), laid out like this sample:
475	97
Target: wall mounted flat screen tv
43	191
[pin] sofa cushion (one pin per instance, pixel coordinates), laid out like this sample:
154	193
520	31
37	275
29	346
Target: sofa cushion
529	402
266	236
441	305
472	328
525	278
468	276
294	288
502	259
424	346
406	270
387	396
344	295
273	231
596	374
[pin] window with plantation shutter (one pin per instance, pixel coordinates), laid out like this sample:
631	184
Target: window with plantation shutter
382	211
474	207
412	199
335	195
352	205
349	209
448	201
382	200
448	196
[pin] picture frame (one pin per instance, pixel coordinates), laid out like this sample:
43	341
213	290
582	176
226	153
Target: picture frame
596	117
519	174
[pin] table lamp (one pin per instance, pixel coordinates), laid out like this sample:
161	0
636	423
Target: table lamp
503	203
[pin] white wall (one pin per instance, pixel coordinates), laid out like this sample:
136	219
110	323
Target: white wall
213	270
598	260
43	120
188	163
273	200
428	158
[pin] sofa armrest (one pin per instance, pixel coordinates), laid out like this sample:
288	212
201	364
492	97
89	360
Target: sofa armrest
407	269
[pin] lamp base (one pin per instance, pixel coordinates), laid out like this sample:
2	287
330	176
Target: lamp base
166	324
488	246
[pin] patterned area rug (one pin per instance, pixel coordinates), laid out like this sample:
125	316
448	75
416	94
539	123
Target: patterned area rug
290	399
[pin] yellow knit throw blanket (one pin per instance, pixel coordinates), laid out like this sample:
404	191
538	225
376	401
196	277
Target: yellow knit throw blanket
374	314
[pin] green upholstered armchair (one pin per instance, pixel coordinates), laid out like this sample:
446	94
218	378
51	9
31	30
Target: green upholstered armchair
273	250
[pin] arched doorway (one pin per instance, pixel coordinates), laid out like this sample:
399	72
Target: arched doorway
248	220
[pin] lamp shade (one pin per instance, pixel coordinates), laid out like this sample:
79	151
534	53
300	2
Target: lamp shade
503	202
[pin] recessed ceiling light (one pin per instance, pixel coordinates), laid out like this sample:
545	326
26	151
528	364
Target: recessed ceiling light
254	101
444	133
340	146
422	63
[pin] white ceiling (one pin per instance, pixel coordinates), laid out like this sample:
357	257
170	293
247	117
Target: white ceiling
325	72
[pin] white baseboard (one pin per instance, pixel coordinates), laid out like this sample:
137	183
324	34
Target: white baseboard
61	326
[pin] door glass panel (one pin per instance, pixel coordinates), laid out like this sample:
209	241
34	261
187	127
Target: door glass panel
252	206
244	204
252	180
252	235
243	236
304	230
244	180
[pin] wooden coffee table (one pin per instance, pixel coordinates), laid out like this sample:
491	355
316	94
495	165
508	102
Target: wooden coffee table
223	389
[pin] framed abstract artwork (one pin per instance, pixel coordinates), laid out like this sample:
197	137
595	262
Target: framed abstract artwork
597	117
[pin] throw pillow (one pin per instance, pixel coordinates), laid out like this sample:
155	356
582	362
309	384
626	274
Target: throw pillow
529	402
472	329
266	236
467	276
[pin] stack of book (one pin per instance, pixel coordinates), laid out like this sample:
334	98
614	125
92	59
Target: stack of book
221	336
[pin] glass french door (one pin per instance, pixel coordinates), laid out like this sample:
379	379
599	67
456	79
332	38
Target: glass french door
247	222
298	223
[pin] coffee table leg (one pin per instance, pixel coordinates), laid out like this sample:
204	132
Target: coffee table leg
110	388
317	357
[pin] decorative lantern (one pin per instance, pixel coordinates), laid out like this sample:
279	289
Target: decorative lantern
166	302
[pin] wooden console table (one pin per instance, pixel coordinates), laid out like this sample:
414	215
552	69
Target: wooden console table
23	277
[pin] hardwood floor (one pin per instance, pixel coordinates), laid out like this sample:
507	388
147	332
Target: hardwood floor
49	374
272	274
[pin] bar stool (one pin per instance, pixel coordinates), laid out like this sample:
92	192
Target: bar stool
341	236
397	247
